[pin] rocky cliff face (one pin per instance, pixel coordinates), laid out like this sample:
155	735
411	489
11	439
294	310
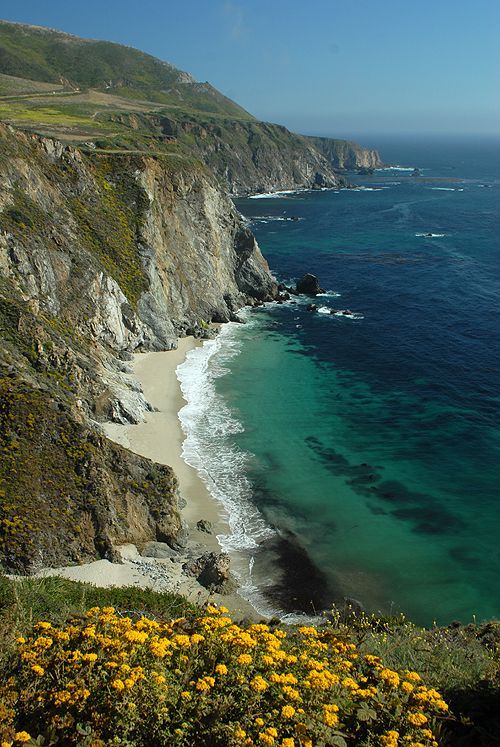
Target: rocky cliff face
346	155
100	256
248	156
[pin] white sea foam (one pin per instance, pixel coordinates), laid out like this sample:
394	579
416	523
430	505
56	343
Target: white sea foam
397	168
447	189
431	235
362	189
351	315
270	195
269	218
329	294
331	312
208	424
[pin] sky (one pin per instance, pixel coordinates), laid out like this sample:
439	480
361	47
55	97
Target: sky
328	67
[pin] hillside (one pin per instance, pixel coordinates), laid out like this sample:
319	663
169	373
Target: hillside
109	97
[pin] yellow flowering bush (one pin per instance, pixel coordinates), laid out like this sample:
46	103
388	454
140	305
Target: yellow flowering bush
105	679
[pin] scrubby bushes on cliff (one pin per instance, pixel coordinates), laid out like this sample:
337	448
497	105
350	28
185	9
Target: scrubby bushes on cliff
106	679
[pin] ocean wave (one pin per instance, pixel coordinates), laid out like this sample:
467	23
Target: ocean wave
329	294
270	218
398	168
208	424
447	189
339	312
431	235
270	195
350	315
362	189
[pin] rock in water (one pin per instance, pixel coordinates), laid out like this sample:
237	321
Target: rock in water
309	285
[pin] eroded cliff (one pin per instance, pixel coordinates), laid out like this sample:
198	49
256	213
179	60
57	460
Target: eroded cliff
101	255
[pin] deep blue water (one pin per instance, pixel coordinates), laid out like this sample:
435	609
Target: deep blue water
375	440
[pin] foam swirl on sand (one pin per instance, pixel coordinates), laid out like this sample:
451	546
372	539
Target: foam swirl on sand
209	423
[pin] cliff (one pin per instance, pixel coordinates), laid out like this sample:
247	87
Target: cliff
247	156
346	155
101	255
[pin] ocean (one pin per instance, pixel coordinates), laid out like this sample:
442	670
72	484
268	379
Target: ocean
358	456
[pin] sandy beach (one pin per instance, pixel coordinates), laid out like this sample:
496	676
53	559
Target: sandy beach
160	439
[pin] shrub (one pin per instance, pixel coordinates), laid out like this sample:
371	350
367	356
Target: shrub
106	679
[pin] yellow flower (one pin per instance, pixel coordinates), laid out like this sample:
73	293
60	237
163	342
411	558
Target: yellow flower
185	695
89	657
413	676
43	625
37	669
259	684
259	721
291	692
266	738
136	636
118	685
244	659
240	733
22	736
407	687
221	669
417	719
390	677
288	742
390	739
288	711
197	638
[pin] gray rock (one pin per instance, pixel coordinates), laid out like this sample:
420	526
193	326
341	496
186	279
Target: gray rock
204	526
159	550
212	571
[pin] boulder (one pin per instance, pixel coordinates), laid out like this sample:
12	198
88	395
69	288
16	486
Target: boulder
311	307
158	550
309	285
204	526
211	571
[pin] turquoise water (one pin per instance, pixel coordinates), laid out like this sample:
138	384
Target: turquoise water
362	454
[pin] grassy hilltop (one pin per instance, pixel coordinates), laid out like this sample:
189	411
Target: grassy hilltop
108	97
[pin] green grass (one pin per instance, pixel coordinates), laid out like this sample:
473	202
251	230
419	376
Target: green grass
25	601
47	56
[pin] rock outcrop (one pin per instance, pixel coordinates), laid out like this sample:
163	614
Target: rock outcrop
211	570
346	155
309	285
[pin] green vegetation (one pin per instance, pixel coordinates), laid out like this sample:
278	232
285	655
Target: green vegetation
39	54
109	224
131	674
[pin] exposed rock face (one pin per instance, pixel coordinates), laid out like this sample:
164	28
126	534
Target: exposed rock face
99	256
309	284
212	572
247	155
124	252
345	155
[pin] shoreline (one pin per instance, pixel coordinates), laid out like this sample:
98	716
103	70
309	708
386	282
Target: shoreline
159	438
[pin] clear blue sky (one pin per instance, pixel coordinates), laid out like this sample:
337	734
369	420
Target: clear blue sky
317	66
